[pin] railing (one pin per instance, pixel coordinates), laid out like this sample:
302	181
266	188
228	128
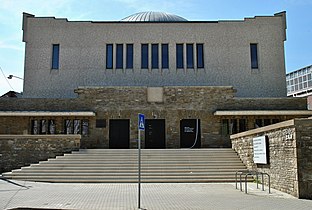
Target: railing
8	181
247	173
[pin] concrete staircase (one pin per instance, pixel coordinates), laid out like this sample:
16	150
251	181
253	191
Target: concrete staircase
121	165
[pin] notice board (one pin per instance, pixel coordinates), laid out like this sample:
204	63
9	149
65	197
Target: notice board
260	150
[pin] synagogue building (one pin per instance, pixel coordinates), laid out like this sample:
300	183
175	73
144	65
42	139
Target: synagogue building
197	82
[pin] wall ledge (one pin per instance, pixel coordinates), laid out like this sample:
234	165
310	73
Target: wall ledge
73	136
288	123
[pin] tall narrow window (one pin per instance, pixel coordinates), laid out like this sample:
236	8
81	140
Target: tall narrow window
200	55
155	56
258	123
254	56
164	56
266	122
119	56
76	126
144	56
109	56
129	58
189	56
233	126
179	55
68	127
225	127
55	56
51	127
85	127
35	127
43	127
242	125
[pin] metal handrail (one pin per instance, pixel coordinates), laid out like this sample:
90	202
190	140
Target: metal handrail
8	181
248	173
241	172
269	182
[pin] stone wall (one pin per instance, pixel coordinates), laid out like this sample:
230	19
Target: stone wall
119	98
17	151
178	103
290	155
289	103
21	125
126	102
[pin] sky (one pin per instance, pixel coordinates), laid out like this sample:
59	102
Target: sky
298	47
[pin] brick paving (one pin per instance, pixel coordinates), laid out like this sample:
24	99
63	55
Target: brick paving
154	196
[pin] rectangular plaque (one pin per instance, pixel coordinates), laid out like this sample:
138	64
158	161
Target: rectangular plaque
260	150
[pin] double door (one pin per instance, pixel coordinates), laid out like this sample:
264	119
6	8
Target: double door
119	134
190	136
155	136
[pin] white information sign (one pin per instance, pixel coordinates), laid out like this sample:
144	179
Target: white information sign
260	151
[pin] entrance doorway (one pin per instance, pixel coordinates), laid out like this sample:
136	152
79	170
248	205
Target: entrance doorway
155	136
119	134
190	135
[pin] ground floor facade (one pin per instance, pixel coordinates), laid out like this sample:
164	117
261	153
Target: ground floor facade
175	117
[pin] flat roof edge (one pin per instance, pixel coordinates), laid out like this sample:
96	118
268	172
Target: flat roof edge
261	112
45	113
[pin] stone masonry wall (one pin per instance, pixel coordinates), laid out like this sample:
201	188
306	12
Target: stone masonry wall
178	103
14	125
304	157
125	102
22	150
90	99
290	155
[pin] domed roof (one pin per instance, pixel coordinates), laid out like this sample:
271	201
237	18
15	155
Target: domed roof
153	17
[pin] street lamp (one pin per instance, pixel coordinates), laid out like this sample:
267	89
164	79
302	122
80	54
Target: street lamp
11	77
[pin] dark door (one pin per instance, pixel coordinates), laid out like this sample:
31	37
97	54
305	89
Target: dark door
190	133
119	134
155	137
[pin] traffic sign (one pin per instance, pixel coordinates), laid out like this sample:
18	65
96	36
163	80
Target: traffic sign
141	122
141	127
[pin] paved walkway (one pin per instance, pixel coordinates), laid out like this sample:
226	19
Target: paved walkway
154	196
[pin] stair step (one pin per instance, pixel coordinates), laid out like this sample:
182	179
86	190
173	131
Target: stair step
119	180
121	170
110	165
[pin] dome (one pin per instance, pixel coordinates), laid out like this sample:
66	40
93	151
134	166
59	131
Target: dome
153	17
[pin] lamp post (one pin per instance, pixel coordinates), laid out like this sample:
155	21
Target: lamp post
11	77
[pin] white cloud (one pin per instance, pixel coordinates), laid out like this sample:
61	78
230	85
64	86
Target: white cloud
11	46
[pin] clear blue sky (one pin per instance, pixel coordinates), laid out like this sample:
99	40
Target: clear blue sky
298	47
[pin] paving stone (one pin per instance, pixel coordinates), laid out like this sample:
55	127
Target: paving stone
153	196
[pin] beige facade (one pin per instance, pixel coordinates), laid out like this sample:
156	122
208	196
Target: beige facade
83	55
231	80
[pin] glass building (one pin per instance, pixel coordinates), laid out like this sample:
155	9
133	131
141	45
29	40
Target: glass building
299	82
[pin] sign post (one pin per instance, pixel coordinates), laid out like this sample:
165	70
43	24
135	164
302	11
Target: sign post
141	126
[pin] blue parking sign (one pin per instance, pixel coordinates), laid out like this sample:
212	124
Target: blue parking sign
141	122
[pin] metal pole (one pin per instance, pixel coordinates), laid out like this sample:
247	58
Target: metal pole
236	179
269	184
240	182
257	179
246	183
139	175
262	182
